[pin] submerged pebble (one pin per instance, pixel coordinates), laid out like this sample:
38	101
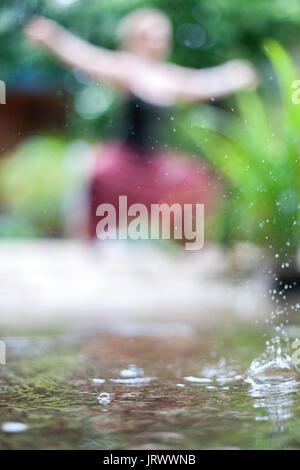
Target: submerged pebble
14	427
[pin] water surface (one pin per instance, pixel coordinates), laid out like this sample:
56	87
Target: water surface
142	389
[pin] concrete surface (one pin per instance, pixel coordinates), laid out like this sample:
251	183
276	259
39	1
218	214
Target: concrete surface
70	281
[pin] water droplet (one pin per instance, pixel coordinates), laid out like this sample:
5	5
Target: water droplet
14	427
104	398
132	371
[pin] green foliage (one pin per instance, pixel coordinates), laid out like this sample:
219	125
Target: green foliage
35	182
257	152
230	29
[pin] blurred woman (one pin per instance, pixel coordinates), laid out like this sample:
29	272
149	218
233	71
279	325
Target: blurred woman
137	163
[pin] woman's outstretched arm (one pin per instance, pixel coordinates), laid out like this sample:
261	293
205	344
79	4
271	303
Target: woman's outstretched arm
96	62
152	81
216	82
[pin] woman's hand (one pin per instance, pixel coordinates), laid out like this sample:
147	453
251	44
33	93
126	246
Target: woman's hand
96	62
41	30
216	82
243	75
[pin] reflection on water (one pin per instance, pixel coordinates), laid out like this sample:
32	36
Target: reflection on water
274	383
275	399
110	391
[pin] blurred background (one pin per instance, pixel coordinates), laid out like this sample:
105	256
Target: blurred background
54	116
167	336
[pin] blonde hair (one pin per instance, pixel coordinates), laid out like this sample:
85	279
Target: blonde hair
135	22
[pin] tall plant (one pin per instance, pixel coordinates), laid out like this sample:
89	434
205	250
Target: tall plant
257	150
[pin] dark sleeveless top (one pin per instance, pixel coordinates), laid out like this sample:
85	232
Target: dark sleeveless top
143	124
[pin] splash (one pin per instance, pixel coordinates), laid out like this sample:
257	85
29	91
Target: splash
275	365
274	383
222	373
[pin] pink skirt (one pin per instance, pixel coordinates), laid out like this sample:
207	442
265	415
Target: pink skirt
152	178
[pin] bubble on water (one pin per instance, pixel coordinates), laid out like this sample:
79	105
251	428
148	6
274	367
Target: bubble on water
14	427
104	398
132	372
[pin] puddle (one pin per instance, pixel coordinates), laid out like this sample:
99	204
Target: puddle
113	391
